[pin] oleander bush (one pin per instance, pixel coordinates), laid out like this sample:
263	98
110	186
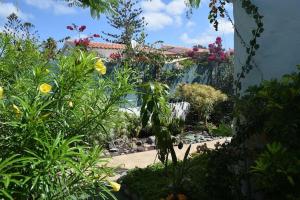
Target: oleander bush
55	113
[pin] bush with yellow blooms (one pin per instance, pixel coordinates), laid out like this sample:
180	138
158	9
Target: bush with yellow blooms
54	114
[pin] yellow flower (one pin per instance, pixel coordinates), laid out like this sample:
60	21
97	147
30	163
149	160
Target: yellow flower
100	67
115	186
16	109
45	88
1	92
70	103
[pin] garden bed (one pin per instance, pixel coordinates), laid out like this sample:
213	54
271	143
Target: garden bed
125	145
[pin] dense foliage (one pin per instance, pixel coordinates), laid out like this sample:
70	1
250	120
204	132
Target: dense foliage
262	159
206	177
270	130
55	112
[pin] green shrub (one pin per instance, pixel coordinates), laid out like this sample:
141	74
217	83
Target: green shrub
54	112
268	123
202	98
148	183
277	170
223	130
208	176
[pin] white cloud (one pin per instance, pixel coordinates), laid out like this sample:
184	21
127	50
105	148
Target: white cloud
59	8
8	8
209	36
190	24
152	6
176	7
159	14
157	20
203	39
225	26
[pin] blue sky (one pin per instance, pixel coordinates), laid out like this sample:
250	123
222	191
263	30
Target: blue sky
167	21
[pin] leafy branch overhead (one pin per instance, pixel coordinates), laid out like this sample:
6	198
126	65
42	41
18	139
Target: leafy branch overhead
96	6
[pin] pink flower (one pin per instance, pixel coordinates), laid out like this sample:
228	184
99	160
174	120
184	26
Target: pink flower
191	54
82	28
76	42
115	56
195	49
86	41
96	35
70	28
218	40
212	57
223	57
82	42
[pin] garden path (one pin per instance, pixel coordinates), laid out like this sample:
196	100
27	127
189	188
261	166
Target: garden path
143	159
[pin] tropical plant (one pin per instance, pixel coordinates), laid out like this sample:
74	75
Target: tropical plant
155	109
179	176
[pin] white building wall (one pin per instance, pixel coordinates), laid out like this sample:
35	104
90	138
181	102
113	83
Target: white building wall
279	44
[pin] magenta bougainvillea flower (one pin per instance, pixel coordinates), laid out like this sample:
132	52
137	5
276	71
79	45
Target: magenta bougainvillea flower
216	52
219	40
191	54
70	28
115	56
83	42
195	49
82	28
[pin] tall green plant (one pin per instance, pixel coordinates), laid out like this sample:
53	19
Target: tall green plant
45	105
155	109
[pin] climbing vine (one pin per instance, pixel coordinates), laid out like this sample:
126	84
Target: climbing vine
217	8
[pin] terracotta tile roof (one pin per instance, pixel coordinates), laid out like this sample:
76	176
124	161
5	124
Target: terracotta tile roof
106	45
181	50
169	50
